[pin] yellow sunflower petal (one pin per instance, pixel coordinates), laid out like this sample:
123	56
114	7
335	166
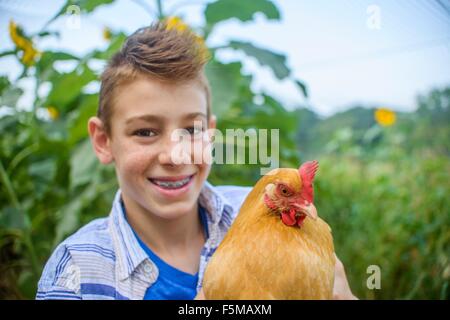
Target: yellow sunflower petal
29	53
14	35
176	23
385	117
204	52
53	112
107	35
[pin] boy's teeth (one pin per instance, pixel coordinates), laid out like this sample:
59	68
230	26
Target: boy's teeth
172	184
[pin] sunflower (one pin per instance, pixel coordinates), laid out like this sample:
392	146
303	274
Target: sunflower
52	112
107	34
29	52
176	23
385	117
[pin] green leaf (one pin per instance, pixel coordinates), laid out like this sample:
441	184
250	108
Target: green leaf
27	283
224	80
49	57
77	126
91	5
55	131
272	115
68	86
302	87
241	9
7	53
86	6
277	62
83	164
8	122
43	34
10	96
69	215
115	45
43	170
4	83
41	174
13	218
68	219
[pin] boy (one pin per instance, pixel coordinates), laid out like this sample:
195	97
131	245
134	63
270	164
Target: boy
166	220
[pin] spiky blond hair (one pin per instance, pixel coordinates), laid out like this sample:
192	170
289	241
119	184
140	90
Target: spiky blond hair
167	51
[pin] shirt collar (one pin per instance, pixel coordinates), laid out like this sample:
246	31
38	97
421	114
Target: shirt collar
130	254
218	207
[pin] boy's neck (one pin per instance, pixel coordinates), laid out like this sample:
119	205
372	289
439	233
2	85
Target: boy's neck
164	235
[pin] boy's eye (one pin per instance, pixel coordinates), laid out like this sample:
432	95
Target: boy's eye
194	130
144	133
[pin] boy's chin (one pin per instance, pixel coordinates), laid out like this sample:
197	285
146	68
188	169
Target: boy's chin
175	210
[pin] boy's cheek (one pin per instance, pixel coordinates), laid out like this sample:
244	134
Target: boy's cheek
202	152
133	162
188	152
198	154
128	149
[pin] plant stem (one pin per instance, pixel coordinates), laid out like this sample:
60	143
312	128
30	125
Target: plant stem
26	233
33	257
160	9
8	185
22	155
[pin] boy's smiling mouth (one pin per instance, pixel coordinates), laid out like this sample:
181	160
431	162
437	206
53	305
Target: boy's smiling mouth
172	183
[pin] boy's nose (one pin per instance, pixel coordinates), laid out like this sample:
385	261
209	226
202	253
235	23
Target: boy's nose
166	159
165	156
173	153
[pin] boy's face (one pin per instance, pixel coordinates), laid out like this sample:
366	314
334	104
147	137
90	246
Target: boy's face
146	113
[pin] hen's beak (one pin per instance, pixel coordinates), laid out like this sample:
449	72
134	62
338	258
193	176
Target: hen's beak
308	209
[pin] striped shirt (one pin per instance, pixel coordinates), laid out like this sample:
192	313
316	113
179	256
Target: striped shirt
103	260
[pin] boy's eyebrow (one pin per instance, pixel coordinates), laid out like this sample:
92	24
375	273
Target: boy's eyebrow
194	114
153	118
147	117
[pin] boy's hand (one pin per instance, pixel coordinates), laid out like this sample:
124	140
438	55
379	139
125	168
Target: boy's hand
341	289
200	295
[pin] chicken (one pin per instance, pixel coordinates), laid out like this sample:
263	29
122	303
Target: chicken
277	247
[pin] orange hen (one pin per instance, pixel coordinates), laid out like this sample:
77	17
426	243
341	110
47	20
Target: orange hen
277	247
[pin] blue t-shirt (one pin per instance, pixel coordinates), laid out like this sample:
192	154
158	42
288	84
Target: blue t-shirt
172	283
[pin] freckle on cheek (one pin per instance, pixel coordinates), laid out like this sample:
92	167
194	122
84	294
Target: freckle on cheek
135	163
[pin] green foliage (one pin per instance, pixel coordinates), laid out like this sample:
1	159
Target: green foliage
225	81
277	62
85	6
243	10
383	190
392	214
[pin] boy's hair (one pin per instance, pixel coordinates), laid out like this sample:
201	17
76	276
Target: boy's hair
166	51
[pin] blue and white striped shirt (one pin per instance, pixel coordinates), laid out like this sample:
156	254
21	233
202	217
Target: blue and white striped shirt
104	260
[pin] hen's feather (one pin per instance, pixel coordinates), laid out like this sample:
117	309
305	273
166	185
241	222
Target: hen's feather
262	258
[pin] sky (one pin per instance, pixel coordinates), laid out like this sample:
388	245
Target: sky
375	53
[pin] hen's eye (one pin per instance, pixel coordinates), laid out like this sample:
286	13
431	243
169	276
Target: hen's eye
284	190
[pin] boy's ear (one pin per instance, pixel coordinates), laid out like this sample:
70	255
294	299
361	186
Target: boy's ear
100	140
211	126
212	122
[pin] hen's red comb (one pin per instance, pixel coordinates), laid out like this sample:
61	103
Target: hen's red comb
307	172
